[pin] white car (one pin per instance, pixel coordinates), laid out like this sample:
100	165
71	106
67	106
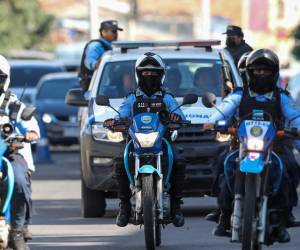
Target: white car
190	68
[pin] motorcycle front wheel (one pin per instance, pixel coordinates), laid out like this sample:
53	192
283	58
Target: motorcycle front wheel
149	212
249	213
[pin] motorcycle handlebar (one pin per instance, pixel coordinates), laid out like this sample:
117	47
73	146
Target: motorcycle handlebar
290	132
122	125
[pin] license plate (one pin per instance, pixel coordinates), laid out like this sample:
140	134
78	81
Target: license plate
71	132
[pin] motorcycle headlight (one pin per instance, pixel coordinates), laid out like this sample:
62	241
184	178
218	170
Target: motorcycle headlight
100	133
147	140
255	144
222	137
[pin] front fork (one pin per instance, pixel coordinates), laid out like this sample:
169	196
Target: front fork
262	205
159	189
238	206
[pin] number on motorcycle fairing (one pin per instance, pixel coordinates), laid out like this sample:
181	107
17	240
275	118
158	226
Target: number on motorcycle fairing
256	128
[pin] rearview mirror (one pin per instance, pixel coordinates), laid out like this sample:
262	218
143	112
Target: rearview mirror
28	113
209	100
75	97
102	100
189	99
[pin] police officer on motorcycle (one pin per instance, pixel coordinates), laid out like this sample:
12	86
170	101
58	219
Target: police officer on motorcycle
21	206
262	69
214	215
150	96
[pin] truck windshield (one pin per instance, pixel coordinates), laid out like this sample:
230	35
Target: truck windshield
183	76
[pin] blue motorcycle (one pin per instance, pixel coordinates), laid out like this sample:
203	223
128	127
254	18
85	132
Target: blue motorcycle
257	176
149	182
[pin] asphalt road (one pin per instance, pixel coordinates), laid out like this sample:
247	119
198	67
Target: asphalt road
58	223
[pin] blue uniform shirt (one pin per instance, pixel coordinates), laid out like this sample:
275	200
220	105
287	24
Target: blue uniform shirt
94	51
126	109
289	108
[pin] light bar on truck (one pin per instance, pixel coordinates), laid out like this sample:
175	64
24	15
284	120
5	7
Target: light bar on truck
125	45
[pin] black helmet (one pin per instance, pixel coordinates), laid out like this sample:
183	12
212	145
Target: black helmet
262	59
242	66
150	84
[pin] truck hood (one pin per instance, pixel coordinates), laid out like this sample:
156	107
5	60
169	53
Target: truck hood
196	113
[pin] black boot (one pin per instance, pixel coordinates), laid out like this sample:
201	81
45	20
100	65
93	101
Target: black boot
176	213
224	225
16	241
282	235
27	234
291	220
124	213
213	216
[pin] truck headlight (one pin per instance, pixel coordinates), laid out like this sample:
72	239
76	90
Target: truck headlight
47	118
255	144
147	140
100	133
222	137
115	136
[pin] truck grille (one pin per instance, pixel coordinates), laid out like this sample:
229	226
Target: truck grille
63	118
194	133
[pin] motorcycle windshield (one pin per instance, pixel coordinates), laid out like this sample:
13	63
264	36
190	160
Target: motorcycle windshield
146	123
256	135
147	132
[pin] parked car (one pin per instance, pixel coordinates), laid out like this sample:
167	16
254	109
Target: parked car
59	118
25	75
194	68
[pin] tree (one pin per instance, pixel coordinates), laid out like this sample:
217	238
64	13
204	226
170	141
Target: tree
23	24
296	49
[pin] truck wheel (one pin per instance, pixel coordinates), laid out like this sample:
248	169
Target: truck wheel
92	202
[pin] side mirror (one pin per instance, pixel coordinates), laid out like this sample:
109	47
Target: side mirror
75	97
189	99
209	100
102	100
28	113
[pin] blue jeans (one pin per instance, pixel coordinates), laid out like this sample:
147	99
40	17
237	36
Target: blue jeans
21	206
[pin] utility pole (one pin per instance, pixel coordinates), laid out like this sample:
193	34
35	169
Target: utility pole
132	19
206	18
202	22
94	20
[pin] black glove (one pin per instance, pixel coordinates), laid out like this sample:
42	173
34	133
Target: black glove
175	117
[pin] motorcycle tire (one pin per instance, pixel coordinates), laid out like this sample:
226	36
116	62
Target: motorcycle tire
148	201
157	233
249	212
